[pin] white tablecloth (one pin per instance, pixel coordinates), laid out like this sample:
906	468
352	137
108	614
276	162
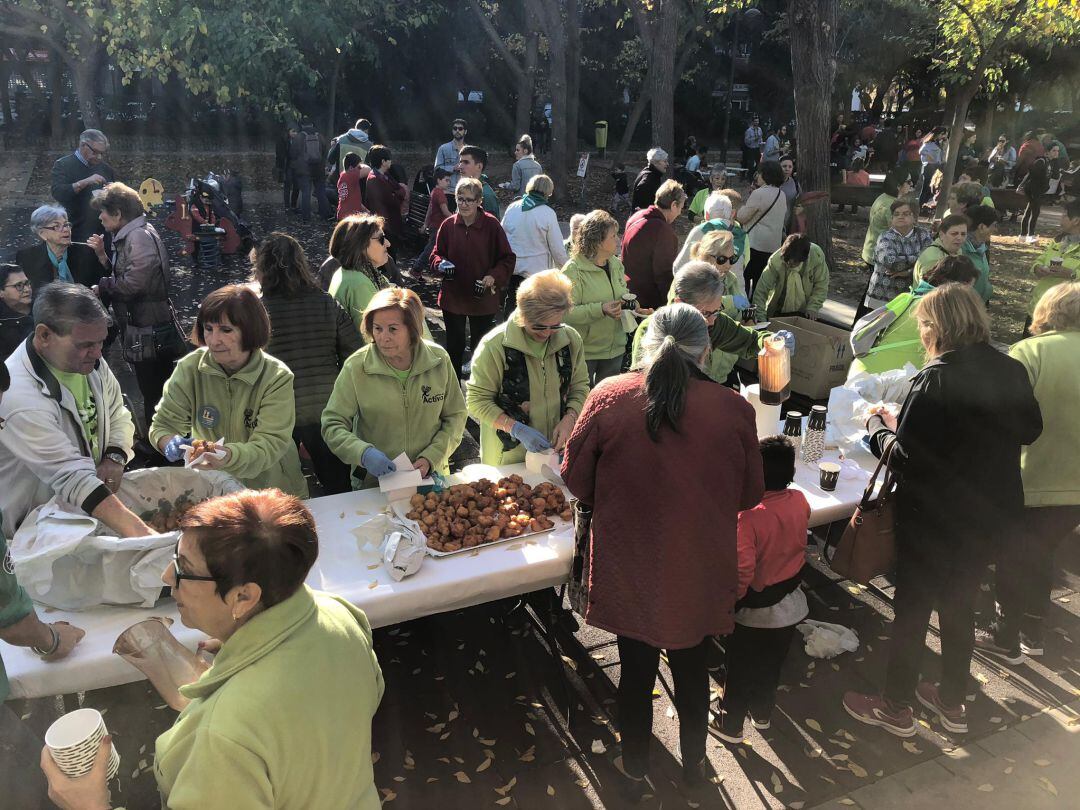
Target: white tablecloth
442	584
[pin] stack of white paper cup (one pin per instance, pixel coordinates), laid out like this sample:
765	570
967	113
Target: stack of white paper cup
74	739
766	416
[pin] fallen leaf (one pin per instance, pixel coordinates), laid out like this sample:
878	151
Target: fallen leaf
986	788
814	724
485	741
1008	770
454	714
858	770
437	728
670	711
550	790
373	584
462	777
529	729
483	766
444	736
797	805
399	778
1043	763
846	801
504	801
598	747
444	759
502	791
372	567
777	783
827	779
911	748
1048	785
995	719
431	779
375	757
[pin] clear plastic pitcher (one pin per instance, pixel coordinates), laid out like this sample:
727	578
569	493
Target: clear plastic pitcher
152	649
774	371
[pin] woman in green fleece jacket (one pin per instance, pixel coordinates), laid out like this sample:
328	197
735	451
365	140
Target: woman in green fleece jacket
796	280
283	717
529	379
398	394
229	388
599	285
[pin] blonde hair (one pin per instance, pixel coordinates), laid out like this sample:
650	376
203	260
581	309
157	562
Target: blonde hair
1058	310
543	294
401	299
473	185
669	193
592	231
711	244
951	317
733	195
541	184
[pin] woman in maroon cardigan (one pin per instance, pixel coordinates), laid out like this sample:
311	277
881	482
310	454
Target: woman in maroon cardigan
664	566
474	258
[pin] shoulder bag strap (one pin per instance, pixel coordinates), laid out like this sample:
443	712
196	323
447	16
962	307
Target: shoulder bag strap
779	194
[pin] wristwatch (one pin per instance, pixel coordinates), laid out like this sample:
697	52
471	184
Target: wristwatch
118	458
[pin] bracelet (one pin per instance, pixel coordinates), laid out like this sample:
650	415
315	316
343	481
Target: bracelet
55	644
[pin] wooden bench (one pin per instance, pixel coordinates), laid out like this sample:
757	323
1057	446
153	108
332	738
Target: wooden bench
854	195
1008	199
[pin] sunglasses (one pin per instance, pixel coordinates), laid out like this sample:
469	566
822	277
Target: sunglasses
722	260
459	129
467	200
546	327
380	238
180	575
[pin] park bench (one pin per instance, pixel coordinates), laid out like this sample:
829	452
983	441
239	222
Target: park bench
853	195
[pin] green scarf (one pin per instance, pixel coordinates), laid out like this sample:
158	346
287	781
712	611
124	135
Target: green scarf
532	200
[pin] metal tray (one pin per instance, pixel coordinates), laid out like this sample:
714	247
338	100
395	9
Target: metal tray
400	508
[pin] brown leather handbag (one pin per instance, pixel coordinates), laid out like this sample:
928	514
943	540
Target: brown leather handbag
867	548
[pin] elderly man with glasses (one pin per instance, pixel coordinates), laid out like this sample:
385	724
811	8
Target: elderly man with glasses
75	177
55	258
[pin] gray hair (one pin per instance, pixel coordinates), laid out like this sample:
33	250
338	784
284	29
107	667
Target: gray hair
717	205
60	305
44	214
541	184
698	281
92	136
684	325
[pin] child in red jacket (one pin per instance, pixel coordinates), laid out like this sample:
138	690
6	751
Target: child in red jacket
772	551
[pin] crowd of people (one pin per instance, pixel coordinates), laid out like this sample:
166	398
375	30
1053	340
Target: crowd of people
617	353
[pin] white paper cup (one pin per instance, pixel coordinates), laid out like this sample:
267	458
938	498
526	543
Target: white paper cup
74	739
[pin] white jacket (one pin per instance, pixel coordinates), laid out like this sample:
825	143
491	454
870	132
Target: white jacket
42	449
535	238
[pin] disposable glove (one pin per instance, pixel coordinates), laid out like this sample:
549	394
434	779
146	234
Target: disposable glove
533	439
376	462
174	450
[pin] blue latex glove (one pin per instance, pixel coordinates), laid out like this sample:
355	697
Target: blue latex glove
789	339
376	462
741	301
446	265
533	439
174	449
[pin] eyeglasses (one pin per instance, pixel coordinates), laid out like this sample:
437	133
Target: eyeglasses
467	200
380	238
546	327
96	151
180	575
63	227
21	286
710	314
722	260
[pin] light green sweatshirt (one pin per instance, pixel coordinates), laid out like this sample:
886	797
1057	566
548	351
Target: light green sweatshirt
731	342
544	401
1051	466
253	410
353	289
283	717
594	286
422	416
806	286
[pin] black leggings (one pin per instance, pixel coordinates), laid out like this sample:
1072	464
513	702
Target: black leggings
332	472
479	325
640	663
151	376
755	656
1031	216
754	268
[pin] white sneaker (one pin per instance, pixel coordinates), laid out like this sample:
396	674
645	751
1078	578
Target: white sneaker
1031	240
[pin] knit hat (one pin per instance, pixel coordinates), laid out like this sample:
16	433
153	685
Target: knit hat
655	154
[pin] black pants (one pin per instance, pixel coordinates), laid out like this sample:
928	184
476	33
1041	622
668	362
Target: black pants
332	472
1025	570
479	325
1031	216
290	190
307	184
151	376
755	656
754	268
510	301
640	663
923	583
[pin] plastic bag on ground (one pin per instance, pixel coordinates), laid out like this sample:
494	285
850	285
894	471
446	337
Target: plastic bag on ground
825	640
67	559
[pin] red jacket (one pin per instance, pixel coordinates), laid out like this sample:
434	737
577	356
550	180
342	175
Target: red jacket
350	198
384	196
772	539
477	250
664	564
649	249
1025	156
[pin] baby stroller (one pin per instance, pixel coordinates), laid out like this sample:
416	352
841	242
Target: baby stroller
208	223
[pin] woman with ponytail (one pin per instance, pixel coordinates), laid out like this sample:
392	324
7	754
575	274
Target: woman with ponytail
313	336
667	459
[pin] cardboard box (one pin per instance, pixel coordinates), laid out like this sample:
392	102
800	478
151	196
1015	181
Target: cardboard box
822	355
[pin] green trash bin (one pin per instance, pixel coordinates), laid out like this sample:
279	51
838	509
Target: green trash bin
601	137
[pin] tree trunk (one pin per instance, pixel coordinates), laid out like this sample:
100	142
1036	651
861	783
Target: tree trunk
813	66
663	76
573	74
527	79
56	86
632	122
551	17
84	77
959	101
5	94
331	102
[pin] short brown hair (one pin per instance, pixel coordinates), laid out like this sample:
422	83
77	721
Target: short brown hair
951	317
733	195
120	201
904	202
238	304
542	294
408	302
669	193
281	267
591	232
351	237
473	185
266	537
1058	310
796	248
952	268
952	221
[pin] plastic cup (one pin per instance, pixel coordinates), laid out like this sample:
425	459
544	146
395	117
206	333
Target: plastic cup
629	301
829	474
74	739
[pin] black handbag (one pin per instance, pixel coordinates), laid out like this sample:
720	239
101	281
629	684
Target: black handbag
163	341
577	591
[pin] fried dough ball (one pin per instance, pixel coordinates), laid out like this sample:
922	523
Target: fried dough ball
416	501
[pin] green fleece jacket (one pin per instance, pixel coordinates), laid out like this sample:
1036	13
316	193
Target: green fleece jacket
594	286
253	410
354	289
783	290
731	342
1051	466
927	259
544	401
423	417
1066	249
283	717
899	343
880	221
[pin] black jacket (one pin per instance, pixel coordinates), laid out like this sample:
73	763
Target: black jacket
14	329
82	262
313	336
66	171
648	181
957	456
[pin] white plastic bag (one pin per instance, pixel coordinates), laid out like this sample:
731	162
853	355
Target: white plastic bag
850	404
825	640
70	560
397	540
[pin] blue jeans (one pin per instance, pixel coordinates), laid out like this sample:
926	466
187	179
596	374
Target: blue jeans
305	183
